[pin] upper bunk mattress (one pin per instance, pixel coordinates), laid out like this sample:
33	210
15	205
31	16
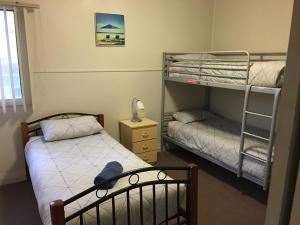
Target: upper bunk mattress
219	138
265	74
62	169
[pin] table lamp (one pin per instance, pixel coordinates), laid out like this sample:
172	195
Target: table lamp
136	107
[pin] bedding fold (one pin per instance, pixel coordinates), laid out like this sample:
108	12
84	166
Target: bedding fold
267	74
110	170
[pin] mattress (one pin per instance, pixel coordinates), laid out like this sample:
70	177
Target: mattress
62	169
265	74
219	138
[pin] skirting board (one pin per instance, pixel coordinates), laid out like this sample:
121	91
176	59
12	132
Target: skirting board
9	178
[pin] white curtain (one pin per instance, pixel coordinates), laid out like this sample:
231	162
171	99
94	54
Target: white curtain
14	69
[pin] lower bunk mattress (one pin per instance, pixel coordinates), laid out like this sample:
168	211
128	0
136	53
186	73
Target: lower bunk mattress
219	139
62	169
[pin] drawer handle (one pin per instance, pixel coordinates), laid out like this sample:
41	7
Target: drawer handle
145	147
145	135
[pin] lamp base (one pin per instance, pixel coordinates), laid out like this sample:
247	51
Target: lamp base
136	120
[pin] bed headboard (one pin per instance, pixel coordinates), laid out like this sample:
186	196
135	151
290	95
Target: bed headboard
30	129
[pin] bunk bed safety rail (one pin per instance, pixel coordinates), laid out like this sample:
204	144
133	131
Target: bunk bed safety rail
168	117
201	64
268	56
216	66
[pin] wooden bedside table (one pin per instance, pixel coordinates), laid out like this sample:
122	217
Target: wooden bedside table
140	138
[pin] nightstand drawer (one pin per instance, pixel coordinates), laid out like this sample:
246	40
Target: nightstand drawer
148	156
142	134
144	146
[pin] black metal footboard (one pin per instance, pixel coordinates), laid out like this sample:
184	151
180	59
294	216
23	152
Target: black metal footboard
184	214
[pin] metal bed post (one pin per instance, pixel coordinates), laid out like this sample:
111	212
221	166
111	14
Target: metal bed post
162	103
248	67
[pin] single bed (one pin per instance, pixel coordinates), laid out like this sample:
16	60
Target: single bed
218	139
224	69
62	174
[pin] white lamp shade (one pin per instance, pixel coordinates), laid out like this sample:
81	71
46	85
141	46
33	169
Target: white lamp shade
140	105
137	108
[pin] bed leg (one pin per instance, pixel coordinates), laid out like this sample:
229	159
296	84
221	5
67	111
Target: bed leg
192	195
168	146
57	212
27	173
25	136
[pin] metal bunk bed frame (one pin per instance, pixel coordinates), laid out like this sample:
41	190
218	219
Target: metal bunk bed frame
247	58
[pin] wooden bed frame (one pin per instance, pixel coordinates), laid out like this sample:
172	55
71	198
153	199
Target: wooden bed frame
187	215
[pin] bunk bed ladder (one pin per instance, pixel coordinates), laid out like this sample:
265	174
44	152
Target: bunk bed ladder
270	139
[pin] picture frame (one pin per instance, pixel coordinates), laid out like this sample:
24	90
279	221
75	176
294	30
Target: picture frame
109	29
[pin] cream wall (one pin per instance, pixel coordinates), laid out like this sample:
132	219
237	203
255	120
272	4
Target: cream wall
255	26
68	73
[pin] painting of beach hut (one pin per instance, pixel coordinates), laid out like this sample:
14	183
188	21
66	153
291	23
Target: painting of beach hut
110	30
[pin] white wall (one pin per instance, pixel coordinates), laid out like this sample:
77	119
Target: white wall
69	73
255	26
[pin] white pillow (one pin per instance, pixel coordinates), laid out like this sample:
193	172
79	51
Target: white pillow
192	115
60	129
193	57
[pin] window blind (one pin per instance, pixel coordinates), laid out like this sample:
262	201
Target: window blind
13	59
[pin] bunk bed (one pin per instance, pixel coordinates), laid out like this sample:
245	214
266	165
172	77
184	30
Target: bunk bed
238	147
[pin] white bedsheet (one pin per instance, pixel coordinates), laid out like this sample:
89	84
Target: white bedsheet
61	169
220	139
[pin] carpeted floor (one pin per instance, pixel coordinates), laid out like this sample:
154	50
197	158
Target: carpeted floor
222	200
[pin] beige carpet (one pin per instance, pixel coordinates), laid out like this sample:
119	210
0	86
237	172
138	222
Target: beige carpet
222	200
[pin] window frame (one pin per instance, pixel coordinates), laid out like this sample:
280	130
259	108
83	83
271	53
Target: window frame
22	54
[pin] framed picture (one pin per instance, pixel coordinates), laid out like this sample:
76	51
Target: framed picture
110	29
